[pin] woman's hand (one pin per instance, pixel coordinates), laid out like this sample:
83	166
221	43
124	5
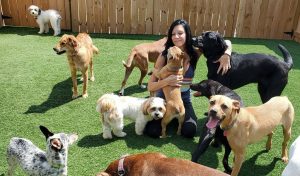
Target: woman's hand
174	80
224	64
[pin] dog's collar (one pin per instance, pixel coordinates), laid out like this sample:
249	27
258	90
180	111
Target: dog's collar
229	126
174	69
121	170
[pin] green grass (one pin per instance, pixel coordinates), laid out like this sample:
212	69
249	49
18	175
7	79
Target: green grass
36	90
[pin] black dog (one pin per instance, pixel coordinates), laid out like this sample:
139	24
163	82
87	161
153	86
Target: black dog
270	73
208	88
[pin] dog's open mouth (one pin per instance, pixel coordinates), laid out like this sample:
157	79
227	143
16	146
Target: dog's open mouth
59	52
212	122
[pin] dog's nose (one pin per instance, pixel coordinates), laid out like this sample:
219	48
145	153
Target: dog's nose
55	49
213	112
156	114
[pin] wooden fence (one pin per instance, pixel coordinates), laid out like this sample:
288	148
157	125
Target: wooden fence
233	18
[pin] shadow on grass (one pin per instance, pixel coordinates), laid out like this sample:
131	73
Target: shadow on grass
134	141
259	170
132	90
61	94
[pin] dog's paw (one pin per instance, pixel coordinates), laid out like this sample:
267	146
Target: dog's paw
92	78
107	136
74	96
121	134
285	159
85	95
40	32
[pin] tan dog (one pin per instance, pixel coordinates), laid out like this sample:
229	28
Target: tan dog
174	107
80	52
244	126
140	56
157	164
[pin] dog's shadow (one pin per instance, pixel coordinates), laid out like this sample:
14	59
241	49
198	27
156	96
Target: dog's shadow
258	169
61	94
134	141
133	89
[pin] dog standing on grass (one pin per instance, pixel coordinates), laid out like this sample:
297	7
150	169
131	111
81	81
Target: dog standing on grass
174	107
37	162
140	56
80	51
43	18
244	126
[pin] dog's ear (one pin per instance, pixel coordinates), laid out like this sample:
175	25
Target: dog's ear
236	106
146	105
46	132
72	41
72	138
221	41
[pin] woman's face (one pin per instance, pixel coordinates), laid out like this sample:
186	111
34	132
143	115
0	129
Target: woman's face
179	36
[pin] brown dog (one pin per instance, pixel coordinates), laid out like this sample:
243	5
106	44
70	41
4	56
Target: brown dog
139	57
80	52
174	107
244	126
157	164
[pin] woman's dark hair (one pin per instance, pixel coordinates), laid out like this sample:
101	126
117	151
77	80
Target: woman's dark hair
188	43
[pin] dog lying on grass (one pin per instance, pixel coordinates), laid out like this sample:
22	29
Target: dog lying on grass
209	88
244	126
267	71
80	51
35	161
156	164
140	56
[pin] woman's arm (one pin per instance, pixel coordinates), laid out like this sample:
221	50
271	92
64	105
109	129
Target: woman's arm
225	59
154	84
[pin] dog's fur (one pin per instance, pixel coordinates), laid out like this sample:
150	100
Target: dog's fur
174	107
208	88
243	126
270	73
114	108
44	17
293	165
80	51
35	161
140	56
157	164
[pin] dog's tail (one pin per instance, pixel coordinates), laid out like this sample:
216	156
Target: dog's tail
106	103
95	49
130	59
286	56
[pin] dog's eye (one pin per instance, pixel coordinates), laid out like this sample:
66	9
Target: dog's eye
212	102
223	106
153	109
63	43
160	109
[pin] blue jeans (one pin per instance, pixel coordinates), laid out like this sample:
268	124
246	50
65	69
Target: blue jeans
189	126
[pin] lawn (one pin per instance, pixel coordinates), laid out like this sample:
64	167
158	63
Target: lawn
36	90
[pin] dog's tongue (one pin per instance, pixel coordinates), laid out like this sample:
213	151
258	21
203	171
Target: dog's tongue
197	94
212	123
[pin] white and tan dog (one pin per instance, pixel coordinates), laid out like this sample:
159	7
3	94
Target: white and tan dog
114	108
244	126
35	161
44	17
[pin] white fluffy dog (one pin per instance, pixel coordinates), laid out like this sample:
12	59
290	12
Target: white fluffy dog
44	17
114	108
293	166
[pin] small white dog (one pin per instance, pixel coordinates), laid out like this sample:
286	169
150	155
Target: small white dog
34	161
44	17
293	166
114	108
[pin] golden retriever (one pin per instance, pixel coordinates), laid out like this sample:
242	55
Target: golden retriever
80	50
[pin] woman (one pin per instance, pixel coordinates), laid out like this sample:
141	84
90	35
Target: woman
179	34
